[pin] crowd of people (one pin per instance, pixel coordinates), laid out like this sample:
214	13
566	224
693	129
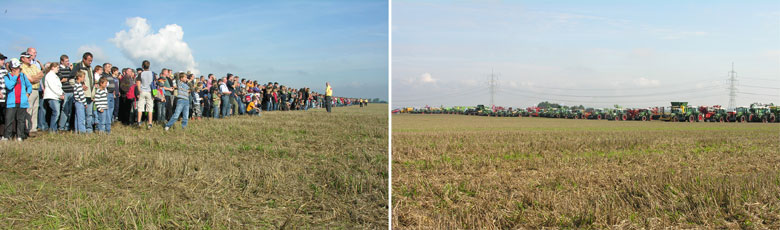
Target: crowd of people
85	98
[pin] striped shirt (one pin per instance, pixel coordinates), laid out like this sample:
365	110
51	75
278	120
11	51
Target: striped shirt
184	91
64	73
78	93
101	99
3	72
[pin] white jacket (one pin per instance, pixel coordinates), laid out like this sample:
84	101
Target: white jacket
53	86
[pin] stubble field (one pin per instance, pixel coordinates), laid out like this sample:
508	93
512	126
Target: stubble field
283	170
467	172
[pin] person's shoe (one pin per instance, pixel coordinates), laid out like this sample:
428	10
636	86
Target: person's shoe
18	139
3	139
167	128
149	126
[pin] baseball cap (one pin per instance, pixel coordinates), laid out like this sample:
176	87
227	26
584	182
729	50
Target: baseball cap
15	63
2	57
25	54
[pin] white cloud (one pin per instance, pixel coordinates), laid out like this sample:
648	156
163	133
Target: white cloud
164	48
427	78
646	82
98	55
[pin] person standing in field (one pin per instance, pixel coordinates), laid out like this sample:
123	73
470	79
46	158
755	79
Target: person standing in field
215	100
19	89
88	85
197	109
79	102
101	106
3	72
225	97
182	104
145	101
66	80
42	123
34	75
125	102
53	94
328	96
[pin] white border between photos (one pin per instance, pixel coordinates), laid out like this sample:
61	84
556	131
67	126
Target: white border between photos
390	115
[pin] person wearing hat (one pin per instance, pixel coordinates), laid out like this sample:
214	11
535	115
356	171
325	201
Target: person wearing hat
19	89
3	72
34	76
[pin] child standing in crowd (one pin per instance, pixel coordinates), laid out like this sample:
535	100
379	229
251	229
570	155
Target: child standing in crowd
197	107
79	104
182	104
19	88
159	99
101	106
215	100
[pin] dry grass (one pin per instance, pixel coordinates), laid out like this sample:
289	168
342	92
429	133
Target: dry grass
453	172
283	170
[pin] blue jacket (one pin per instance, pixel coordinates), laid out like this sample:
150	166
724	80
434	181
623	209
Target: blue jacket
10	83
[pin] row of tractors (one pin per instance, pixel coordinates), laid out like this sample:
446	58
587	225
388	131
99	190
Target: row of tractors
677	112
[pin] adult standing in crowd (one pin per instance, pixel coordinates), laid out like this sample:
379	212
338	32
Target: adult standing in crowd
19	88
126	102
145	101
52	94
88	87
225	98
328	96
66	80
34	75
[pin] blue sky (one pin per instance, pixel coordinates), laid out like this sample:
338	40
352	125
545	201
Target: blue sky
595	53
299	43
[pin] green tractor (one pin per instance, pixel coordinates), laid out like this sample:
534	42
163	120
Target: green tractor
596	114
759	113
740	114
775	117
680	111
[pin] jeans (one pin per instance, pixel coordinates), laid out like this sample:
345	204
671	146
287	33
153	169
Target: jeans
89	113
104	122
160	107
276	106
306	105
79	119
110	100
67	108
214	111
241	106
117	100
54	105
43	124
255	112
183	109
268	106
225	105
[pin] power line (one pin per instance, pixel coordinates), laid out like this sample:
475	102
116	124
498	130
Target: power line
631	95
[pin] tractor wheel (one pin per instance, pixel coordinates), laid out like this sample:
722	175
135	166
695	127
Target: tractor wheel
764	119
721	120
772	118
625	117
674	119
701	118
750	119
598	117
742	119
644	118
690	118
